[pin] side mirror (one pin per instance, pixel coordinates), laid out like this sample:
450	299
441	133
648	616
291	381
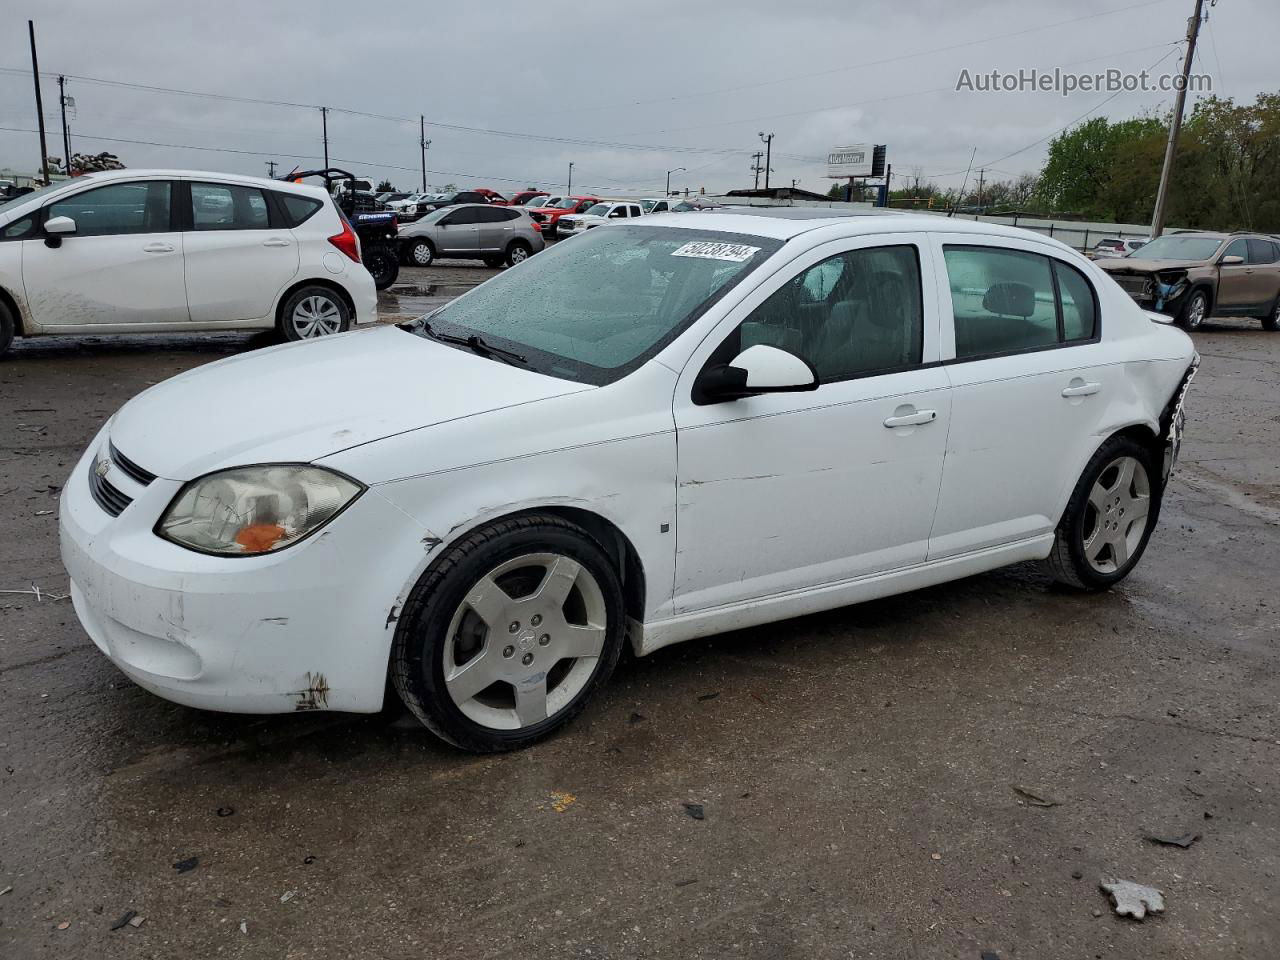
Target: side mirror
55	228
1231	261
758	369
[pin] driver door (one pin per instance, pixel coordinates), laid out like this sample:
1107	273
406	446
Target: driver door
121	267
788	491
459	232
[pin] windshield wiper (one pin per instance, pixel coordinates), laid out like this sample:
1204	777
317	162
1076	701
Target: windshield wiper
474	342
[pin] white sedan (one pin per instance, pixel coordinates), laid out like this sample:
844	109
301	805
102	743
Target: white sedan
145	251
665	429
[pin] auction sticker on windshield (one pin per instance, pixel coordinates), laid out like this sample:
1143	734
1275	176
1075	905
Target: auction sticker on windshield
708	250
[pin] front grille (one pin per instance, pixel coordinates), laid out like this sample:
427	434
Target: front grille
131	469
108	497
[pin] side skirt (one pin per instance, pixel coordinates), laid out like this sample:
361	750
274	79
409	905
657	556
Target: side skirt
646	638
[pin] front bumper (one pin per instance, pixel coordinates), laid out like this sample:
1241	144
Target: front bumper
308	628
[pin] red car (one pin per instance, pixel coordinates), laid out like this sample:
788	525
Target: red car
524	196
550	216
491	196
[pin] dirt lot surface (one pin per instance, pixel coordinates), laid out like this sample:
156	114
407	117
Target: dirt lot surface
858	770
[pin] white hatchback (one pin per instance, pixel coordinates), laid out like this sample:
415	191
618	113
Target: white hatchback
141	251
665	429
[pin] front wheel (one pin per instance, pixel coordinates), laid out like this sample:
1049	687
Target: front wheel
508	634
420	253
314	312
1195	311
1108	519
383	265
1270	322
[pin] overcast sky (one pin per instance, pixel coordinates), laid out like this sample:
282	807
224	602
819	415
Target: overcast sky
657	84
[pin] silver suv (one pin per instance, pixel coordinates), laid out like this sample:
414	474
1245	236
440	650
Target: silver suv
471	231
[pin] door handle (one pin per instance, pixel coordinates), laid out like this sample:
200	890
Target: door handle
1081	389
275	242
912	419
158	248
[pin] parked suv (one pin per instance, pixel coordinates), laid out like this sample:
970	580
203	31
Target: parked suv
1109	247
1191	276
471	231
136	251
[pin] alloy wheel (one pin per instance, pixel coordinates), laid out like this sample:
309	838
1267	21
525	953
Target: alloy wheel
525	641
518	255
316	316
1116	517
1196	312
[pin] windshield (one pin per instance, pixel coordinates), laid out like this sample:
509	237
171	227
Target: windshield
595	309
23	198
597	210
566	203
1179	248
435	215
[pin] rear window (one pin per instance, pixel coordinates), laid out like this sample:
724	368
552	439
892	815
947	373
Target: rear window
298	209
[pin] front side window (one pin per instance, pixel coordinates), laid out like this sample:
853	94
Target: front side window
459	217
1002	300
117	208
854	314
597	210
20	229
1237	248
222	206
595	309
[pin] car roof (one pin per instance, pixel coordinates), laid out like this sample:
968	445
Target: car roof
108	176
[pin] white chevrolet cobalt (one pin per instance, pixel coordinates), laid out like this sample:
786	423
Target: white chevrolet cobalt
665	429
145	251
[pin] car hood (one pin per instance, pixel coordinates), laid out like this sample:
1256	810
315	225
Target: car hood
303	401
1147	266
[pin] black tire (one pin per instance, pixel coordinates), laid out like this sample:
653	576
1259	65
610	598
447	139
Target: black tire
419	253
494	262
1269	322
1194	311
291	327
1068	563
383	264
7	328
518	252
420	645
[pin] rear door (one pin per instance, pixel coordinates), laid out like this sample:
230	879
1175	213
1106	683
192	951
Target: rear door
122	266
239	255
1264	261
1030	382
494	228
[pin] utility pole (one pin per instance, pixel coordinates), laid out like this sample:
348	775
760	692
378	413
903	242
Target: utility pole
768	156
423	142
35	75
324	121
669	173
66	134
982	172
1175	127
271	169
568	190
756	168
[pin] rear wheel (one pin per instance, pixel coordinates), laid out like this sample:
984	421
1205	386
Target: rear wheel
1109	517
518	252
1195	311
508	634
383	265
7	327
1272	320
420	253
314	312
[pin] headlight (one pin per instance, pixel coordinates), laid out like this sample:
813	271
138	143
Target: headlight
252	510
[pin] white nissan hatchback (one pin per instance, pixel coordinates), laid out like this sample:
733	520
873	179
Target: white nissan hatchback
142	251
665	429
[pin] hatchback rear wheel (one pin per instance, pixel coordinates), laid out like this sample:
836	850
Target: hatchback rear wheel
508	634
1109	517
314	312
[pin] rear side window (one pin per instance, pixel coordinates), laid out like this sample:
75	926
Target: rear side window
298	209
1007	301
222	206
118	208
1262	251
508	214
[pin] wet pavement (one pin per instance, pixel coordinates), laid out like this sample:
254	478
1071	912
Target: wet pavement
856	769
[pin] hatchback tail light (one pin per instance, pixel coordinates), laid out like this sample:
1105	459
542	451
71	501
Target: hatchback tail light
347	241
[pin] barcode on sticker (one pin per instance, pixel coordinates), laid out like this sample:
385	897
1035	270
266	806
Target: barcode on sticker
708	250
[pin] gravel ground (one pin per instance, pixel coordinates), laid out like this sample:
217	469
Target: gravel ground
857	769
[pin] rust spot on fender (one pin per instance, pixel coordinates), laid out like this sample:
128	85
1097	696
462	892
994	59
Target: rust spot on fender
316	694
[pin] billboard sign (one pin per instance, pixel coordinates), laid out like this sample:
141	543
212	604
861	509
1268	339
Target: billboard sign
856	160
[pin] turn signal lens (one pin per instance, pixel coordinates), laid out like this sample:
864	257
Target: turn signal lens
255	510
